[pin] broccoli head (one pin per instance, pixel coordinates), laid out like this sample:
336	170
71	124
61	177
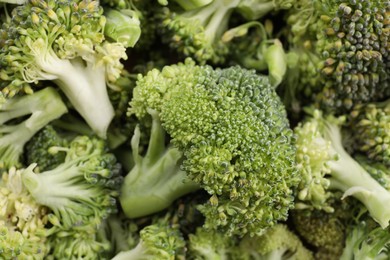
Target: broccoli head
342	52
230	135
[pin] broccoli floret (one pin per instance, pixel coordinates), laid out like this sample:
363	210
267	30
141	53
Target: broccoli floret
342	53
22	220
324	231
76	244
62	41
37	150
366	241
277	243
157	241
82	190
23	116
229	131
211	245
370	124
324	165
197	33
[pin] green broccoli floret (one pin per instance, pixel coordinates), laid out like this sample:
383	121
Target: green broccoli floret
211	245
37	150
197	33
23	233
341	52
76	244
366	241
277	243
229	134
157	241
23	116
324	231
82	190
70	49
324	165
370	124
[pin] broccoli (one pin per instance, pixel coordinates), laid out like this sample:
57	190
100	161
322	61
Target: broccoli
211	245
23	221
324	165
76	244
228	133
256	9
37	150
62	41
379	171
341	53
324	231
82	190
254	49
371	130
23	116
366	241
277	243
157	241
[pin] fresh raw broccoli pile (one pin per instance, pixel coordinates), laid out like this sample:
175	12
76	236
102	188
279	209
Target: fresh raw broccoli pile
199	129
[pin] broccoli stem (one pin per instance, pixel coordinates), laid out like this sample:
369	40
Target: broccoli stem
83	82
44	106
57	188
351	178
156	179
214	17
192	4
139	252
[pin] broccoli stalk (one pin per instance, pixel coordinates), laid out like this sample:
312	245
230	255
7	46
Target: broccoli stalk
83	82
325	164
82	190
256	9
42	107
156	180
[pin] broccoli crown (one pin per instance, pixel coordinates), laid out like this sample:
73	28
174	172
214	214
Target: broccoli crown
71	42
278	242
82	190
37	150
23	116
371	124
157	241
343	51
231	127
22	220
325	164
